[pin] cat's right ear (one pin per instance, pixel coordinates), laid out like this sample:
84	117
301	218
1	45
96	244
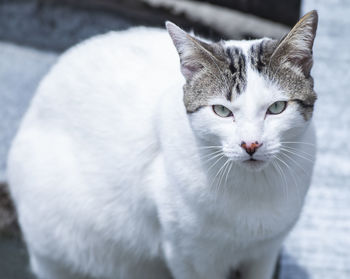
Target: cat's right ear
190	49
295	49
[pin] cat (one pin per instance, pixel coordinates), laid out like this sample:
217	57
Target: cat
126	166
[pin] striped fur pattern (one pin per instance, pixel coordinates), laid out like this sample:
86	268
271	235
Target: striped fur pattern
220	69
237	67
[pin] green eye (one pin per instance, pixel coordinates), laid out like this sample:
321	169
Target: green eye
277	107
222	111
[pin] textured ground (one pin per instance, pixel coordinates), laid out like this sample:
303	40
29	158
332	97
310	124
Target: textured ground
319	247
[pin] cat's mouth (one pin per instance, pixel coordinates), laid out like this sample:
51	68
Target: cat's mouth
254	164
253	161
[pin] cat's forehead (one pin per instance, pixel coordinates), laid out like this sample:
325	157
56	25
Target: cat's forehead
247	63
255	53
250	71
228	75
243	45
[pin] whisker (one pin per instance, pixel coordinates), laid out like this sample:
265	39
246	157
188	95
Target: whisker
296	149
227	163
299	142
215	177
222	155
209	147
220	169
205	157
228	169
295	162
211	179
284	185
294	178
231	163
305	158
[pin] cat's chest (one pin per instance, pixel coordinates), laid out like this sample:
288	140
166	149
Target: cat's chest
240	222
229	235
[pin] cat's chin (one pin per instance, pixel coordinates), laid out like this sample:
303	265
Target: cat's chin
254	165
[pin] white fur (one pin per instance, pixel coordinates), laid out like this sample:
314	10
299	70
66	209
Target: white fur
109	181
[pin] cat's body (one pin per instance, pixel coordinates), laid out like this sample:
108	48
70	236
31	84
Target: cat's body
110	181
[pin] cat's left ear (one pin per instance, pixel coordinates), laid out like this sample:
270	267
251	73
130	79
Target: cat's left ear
295	49
194	53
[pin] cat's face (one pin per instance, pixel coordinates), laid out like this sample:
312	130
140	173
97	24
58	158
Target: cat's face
248	98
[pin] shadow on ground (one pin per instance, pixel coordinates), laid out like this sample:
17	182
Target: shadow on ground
15	264
291	268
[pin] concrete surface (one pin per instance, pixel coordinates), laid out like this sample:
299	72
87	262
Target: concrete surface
13	259
20	71
319	246
232	24
54	27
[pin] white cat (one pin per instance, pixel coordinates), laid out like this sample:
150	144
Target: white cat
119	171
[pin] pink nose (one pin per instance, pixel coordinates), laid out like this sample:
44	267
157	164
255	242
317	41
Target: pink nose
250	147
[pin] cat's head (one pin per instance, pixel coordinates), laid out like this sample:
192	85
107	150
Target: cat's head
248	97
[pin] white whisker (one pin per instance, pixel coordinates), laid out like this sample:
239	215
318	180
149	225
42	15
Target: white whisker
210	156
231	163
298	150
209	147
227	163
285	184
222	155
295	162
293	176
299	142
294	153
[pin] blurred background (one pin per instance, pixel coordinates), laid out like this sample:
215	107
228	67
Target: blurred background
33	33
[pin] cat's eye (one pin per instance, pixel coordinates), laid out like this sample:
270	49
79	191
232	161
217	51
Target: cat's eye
222	111
277	107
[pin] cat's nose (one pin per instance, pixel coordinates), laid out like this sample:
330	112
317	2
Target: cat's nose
250	147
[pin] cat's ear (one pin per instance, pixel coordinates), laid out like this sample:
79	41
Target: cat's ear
193	52
295	49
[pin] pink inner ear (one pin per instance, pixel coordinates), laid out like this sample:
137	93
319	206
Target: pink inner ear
189	70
